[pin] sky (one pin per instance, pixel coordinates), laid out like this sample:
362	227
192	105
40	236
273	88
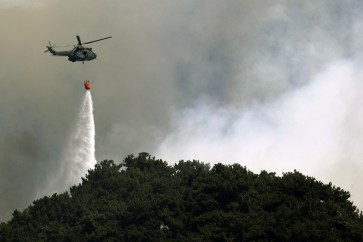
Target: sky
271	85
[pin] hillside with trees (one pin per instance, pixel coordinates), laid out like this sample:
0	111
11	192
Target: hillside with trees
145	199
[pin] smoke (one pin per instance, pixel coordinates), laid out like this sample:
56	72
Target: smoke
170	66
316	129
29	4
17	149
80	154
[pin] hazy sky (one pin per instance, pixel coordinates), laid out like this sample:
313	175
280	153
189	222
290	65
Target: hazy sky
273	85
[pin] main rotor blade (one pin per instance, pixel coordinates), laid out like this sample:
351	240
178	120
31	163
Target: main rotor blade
62	46
97	40
79	40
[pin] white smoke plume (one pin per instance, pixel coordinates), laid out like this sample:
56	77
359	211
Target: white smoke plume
317	130
22	3
163	57
80	154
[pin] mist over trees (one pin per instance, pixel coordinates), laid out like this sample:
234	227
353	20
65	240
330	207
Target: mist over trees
145	199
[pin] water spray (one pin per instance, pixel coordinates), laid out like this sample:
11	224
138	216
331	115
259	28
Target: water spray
82	145
79	156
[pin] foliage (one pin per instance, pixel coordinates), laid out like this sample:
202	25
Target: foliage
144	199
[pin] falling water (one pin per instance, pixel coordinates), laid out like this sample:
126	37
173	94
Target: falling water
79	156
82	145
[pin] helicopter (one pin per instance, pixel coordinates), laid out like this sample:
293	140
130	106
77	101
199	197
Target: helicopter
78	53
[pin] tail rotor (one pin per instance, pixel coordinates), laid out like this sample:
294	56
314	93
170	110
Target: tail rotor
49	47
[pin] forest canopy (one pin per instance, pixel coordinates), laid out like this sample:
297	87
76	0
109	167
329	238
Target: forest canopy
145	199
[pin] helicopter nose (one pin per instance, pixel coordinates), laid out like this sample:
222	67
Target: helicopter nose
95	56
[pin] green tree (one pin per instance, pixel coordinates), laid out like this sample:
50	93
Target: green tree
145	199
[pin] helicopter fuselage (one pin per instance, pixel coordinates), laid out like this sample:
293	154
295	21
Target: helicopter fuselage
82	54
79	52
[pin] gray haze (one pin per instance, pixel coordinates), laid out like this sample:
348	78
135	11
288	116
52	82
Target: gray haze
183	80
